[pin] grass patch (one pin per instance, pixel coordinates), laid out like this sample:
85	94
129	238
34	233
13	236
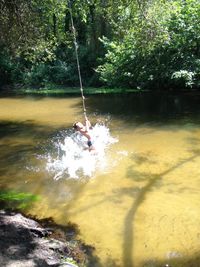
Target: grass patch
16	200
55	90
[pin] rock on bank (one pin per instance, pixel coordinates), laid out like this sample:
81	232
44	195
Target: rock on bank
25	243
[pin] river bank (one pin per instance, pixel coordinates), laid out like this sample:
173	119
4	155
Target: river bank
25	242
58	90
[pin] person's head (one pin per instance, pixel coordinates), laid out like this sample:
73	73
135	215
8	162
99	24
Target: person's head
78	126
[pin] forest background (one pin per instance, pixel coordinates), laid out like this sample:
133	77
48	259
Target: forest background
140	44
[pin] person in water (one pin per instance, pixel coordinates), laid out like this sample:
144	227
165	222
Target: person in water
84	130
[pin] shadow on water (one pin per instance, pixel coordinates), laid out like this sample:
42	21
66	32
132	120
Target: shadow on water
148	107
19	141
128	245
26	129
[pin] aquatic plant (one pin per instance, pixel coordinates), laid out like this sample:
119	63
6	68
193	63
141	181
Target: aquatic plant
19	200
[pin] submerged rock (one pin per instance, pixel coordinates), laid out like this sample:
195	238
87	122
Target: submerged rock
25	243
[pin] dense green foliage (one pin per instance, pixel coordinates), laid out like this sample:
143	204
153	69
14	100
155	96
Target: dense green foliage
143	44
164	53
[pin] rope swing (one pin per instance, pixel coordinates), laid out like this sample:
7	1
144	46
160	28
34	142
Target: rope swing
77	58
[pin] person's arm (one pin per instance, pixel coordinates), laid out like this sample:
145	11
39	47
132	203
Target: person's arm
87	124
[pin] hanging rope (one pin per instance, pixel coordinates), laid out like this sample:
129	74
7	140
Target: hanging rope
77	59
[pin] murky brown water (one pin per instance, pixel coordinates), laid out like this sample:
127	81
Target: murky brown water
143	210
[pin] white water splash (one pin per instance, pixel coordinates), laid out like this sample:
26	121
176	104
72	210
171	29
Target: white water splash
76	160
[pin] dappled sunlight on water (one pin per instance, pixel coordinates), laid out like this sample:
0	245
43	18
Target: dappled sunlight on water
137	202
